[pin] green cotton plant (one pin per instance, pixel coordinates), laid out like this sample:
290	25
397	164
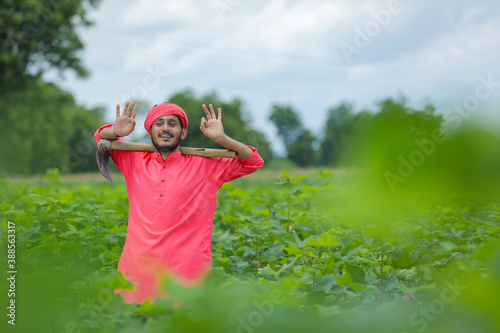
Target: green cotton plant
245	240
294	207
336	271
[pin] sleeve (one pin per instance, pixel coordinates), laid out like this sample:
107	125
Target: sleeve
121	158
222	170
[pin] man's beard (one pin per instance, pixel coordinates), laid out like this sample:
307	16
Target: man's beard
166	148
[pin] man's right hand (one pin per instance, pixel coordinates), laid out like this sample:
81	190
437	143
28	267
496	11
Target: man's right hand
125	123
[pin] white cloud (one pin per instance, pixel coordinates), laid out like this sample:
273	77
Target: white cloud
287	51
471	48
257	42
153	13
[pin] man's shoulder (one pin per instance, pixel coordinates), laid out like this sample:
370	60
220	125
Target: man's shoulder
131	154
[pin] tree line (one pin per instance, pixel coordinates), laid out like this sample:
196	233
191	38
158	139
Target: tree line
46	128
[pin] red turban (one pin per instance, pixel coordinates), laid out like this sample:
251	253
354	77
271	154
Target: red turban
164	109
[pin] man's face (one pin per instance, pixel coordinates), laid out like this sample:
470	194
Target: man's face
166	133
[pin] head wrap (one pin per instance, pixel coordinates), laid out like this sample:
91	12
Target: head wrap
165	109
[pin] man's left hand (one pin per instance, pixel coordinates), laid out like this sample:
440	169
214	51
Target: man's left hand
212	126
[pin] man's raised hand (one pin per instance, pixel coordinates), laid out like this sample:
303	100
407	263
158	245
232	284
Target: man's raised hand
125	123
212	126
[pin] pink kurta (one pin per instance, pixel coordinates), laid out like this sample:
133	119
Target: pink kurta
171	207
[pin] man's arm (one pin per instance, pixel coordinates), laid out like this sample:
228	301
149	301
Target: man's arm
213	129
124	124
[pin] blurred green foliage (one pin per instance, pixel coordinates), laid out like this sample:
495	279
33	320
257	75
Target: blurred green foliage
294	256
281	163
299	142
287	121
46	129
42	123
338	128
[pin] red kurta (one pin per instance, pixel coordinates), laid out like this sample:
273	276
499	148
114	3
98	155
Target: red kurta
171	207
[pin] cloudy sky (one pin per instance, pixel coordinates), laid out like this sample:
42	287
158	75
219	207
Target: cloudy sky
309	54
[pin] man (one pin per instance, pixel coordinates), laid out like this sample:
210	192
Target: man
172	197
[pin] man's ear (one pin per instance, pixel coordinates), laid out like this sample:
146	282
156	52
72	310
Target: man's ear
149	134
184	133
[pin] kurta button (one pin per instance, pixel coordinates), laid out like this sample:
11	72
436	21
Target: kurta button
162	180
163	167
161	195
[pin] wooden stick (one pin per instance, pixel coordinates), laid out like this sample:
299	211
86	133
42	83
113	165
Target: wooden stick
134	146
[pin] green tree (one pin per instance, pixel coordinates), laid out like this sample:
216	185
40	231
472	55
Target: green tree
301	151
81	147
396	126
383	140
338	127
47	129
42	121
39	35
299	142
287	121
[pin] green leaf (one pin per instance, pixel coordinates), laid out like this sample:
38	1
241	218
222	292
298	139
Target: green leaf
447	245
65	198
309	189
292	249
297	179
122	228
28	234
35	198
247	232
346	280
149	308
357	273
264	212
292	238
239	193
404	260
328	266
405	289
239	262
267	270
435	234
71	227
372	290
325	239
327	283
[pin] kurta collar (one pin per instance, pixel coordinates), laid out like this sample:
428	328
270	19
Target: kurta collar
173	156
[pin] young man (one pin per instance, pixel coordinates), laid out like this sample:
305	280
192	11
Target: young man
172	197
